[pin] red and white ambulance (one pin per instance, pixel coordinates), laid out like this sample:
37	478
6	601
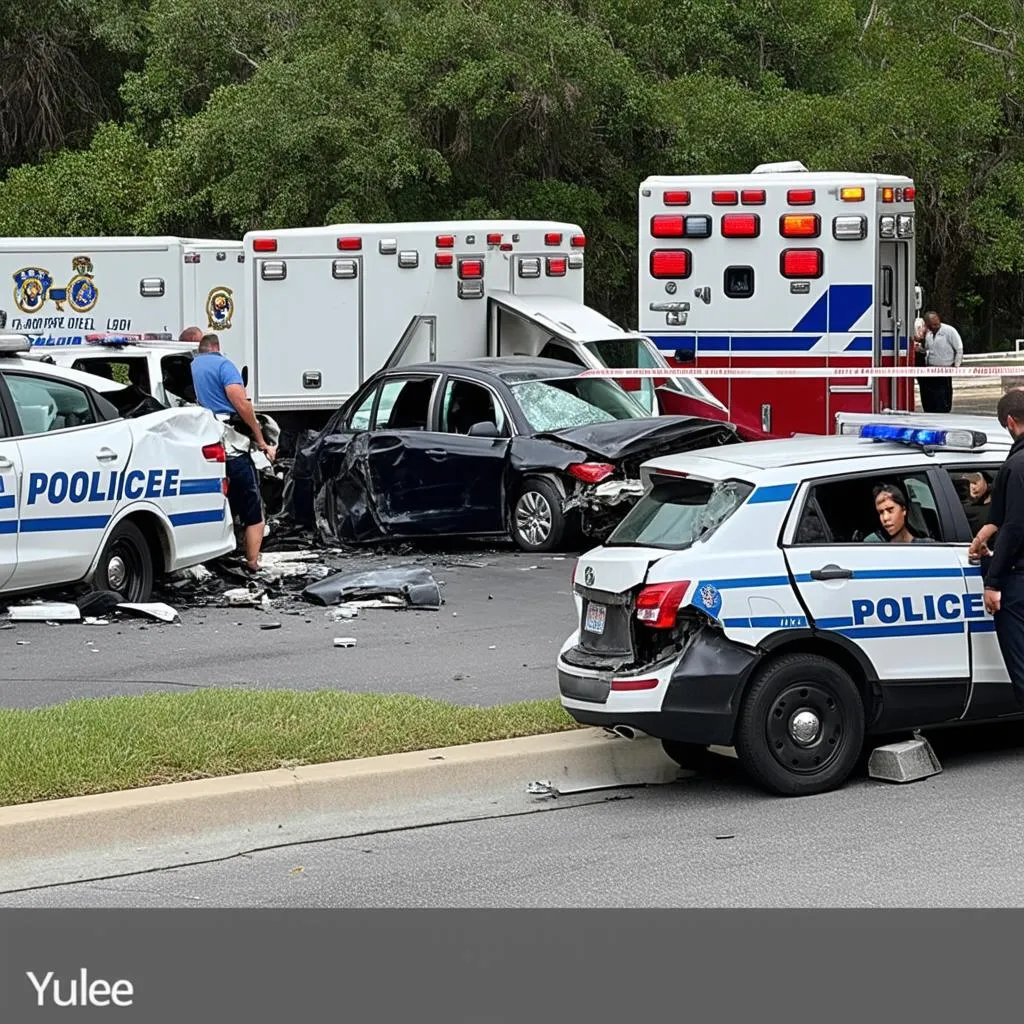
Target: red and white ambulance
782	267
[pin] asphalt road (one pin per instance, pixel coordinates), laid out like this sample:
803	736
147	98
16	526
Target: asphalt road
954	840
493	640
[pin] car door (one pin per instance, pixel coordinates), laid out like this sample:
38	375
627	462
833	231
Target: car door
72	462
10	478
472	497
904	606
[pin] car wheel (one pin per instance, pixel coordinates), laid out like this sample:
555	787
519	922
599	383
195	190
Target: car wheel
538	523
801	727
691	756
126	564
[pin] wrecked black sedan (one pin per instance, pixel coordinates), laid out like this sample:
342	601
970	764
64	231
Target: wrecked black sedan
498	446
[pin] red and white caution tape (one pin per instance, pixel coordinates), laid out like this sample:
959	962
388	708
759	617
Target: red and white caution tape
769	372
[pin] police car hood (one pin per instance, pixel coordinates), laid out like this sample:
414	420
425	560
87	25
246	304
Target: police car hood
641	439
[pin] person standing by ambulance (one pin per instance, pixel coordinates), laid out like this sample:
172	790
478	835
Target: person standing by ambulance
219	388
942	347
1004	571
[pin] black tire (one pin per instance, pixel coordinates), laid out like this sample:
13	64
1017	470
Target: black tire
770	752
126	564
691	756
536	518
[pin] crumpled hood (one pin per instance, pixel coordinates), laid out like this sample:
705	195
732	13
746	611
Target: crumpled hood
628	439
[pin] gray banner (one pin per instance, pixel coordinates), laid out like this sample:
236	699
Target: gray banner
527	967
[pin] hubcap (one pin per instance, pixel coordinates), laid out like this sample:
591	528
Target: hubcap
806	728
533	517
117	572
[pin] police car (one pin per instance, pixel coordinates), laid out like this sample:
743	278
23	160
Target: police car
95	487
752	599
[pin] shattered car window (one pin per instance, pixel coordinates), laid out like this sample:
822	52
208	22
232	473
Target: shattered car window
677	513
361	417
573	402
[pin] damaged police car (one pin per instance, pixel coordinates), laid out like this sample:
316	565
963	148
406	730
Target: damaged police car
492	446
789	598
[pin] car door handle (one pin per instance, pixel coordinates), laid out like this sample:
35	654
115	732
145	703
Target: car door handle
5	463
437	453
106	455
831	572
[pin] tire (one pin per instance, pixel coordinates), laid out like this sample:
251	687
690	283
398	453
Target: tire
769	752
691	756
536	518
126	564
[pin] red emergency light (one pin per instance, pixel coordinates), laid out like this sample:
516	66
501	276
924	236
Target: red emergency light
552	238
909	193
471	269
350	244
677	198
725	198
556	266
667	225
264	245
799	225
445	241
800	197
578	241
801	263
753	197
741	225
494	239
443	259
667	263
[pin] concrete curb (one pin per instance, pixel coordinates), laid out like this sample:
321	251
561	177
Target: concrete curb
369	789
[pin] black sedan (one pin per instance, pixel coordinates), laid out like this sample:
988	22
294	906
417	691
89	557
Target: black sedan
514	445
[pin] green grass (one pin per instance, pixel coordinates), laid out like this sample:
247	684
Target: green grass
97	746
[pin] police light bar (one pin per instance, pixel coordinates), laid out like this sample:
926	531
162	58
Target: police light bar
112	339
926	437
14	344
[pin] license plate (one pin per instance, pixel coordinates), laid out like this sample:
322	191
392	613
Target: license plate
596	615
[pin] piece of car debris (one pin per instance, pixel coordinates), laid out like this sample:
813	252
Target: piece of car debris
344	641
270	625
542	787
730	835
152	610
52	612
344	612
414	587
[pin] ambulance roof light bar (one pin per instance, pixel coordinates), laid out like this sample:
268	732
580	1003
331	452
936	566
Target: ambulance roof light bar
786	167
925	437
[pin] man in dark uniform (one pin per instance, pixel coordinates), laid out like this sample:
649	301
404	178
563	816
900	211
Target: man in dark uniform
1004	571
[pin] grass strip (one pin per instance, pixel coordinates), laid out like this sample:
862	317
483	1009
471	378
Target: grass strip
115	743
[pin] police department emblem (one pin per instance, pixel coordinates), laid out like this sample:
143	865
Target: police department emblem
588	576
31	289
82	292
220	308
710	599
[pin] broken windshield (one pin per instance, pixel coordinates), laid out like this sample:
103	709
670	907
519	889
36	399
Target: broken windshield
574	402
676	513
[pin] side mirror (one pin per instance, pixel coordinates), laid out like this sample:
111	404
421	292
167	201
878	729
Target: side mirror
685	355
245	375
484	429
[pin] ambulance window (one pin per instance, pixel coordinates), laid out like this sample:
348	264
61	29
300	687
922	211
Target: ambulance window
739	282
465	404
45	405
556	350
405	404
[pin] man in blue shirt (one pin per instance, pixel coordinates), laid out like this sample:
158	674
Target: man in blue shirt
219	388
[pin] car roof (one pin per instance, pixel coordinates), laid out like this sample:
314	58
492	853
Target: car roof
55	372
510	369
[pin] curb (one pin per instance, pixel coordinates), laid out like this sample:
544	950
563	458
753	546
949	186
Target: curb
370	789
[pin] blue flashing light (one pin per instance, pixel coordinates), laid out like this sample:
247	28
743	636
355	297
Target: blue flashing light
925	437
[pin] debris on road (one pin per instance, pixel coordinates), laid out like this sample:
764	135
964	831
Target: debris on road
45	612
344	641
152	610
416	587
270	625
542	788
345	611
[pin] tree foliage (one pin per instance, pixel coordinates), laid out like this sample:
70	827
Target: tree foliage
212	117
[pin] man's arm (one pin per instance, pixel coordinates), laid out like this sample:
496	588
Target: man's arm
240	400
1011	532
958	346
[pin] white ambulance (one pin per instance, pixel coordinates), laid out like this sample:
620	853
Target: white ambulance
59	290
327	307
782	267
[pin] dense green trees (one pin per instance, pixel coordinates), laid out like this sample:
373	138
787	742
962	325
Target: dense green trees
211	117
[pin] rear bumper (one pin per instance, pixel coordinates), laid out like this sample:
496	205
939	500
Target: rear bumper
694	699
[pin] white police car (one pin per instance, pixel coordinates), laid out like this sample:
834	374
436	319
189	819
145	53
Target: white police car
740	602
95	488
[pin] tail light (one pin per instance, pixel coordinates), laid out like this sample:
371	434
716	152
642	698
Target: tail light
350	244
552	238
664	225
677	198
579	241
444	241
658	605
471	269
909	194
556	266
753	197
725	198
443	259
214	452
591	472
741	225
800	225
800	263
627	685
264	245
670	263
494	239
800	196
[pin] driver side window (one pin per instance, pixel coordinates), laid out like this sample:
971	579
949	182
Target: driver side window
465	404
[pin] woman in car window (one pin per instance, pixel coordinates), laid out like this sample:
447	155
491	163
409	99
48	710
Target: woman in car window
891	505
978	504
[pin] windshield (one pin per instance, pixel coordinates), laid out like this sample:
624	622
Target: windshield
574	402
676	513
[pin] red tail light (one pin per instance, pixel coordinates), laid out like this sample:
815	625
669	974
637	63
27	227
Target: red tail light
725	198
801	263
214	452
634	684
552	238
556	266
677	198
494	239
443	259
591	472
800	196
350	244
670	263
753	197
667	225
909	193
445	241
658	605
741	225
578	241
264	245
471	268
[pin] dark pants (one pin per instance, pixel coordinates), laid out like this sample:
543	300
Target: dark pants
1010	631
244	491
936	394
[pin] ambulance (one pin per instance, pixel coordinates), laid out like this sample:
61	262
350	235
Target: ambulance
782	267
326	307
60	290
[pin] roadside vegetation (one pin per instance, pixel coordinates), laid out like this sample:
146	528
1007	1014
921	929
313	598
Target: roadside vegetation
98	746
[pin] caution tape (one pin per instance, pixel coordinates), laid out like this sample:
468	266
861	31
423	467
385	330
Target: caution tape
772	372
